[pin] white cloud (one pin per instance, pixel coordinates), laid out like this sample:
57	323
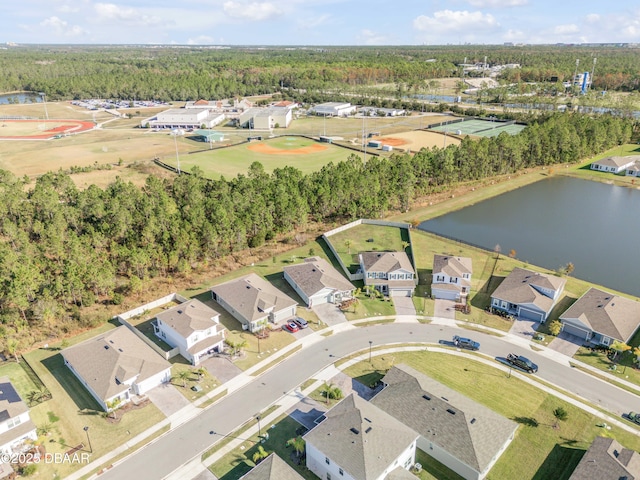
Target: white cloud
313	22
61	27
593	18
462	22
201	40
568	29
254	11
67	9
112	12
369	37
497	3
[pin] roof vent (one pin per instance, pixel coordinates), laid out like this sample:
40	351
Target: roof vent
354	430
426	397
248	287
473	420
445	399
452	412
106	347
180	311
367	419
120	350
616	453
313	269
368	430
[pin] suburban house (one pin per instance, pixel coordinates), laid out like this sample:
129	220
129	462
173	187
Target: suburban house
601	317
614	164
116	366
316	281
458	432
528	294
389	272
192	327
633	170
254	302
358	441
606	459
16	427
272	468
451	279
334	109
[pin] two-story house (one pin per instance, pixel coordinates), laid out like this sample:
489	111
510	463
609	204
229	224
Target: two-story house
192	327
391	273
451	279
16	427
528	294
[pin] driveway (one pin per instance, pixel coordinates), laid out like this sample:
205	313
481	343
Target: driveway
167	398
566	344
444	309
524	328
221	368
329	314
404	306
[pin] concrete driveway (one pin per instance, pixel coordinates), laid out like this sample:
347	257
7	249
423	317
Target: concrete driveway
566	344
524	328
167	398
221	368
404	306
329	314
444	309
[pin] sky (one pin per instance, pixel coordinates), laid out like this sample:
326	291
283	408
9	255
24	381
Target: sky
318	22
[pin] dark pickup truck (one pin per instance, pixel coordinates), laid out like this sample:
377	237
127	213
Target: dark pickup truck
462	342
522	363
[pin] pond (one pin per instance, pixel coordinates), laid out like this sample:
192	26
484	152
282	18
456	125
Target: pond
19	97
555	221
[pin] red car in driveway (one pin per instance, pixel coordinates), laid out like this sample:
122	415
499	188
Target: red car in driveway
290	327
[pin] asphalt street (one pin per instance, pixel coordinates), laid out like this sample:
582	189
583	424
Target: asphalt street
180	445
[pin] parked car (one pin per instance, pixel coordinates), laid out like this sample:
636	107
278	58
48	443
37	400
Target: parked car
290	327
523	363
634	417
467	343
300	322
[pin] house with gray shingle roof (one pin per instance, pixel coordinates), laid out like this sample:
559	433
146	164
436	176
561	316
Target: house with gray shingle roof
528	294
254	302
614	164
606	459
192	327
358	441
460	433
451	277
391	273
601	317
317	282
633	170
115	366
16	427
272	468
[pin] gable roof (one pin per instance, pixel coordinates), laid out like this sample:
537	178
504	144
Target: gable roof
606	459
359	437
385	261
188	317
617	161
520	287
11	405
104	362
253	297
272	468
614	316
466	429
316	274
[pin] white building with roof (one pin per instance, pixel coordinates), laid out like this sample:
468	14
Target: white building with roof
614	164
333	109
266	118
317	282
391	273
186	118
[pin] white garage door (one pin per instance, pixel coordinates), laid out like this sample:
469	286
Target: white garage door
400	293
444	294
531	315
573	330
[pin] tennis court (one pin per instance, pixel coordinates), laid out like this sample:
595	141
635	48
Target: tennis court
480	128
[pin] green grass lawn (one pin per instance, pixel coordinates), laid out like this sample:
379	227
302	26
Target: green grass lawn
370	308
539	450
625	366
19	378
583	170
205	382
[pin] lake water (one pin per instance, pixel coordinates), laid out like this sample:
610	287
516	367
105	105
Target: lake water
555	221
21	97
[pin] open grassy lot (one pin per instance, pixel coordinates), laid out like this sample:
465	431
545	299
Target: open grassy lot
583	170
539	450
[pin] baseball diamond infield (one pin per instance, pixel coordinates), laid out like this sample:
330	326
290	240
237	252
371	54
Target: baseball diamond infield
41	129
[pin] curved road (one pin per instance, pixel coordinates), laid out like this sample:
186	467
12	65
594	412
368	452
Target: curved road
180	445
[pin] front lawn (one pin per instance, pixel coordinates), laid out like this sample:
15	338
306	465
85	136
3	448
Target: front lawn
624	367
193	377
368	307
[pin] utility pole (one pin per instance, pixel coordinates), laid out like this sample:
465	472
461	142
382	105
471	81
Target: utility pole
593	71
575	73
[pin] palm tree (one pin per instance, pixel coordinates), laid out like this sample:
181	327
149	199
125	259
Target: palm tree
636	352
619	347
561	415
183	375
298	445
326	390
347	243
201	372
260	455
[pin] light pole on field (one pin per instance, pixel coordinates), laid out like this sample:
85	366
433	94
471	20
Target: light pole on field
44	102
86	429
175	134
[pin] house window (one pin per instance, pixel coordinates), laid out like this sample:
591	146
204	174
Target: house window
327	461
340	471
12	422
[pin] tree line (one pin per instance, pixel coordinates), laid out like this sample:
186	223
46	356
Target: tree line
63	249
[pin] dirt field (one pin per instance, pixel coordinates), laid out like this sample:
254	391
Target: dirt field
42	129
417	140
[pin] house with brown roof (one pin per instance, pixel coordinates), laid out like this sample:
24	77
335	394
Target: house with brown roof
614	164
358	441
272	468
391	273
601	317
527	294
16	427
451	277
116	366
193	327
254	302
460	433
606	459
317	282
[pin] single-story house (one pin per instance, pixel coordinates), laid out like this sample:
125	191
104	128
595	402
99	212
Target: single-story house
115	366
614	164
391	273
333	109
606	459
633	170
451	277
16	427
460	433
358	441
193	327
601	317
272	468
317	282
528	294
254	302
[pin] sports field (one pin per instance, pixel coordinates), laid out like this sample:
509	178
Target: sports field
41	129
417	140
480	128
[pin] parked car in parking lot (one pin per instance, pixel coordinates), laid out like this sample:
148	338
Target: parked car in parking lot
463	342
290	327
300	322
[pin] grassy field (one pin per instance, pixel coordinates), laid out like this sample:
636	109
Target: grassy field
583	170
539	450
